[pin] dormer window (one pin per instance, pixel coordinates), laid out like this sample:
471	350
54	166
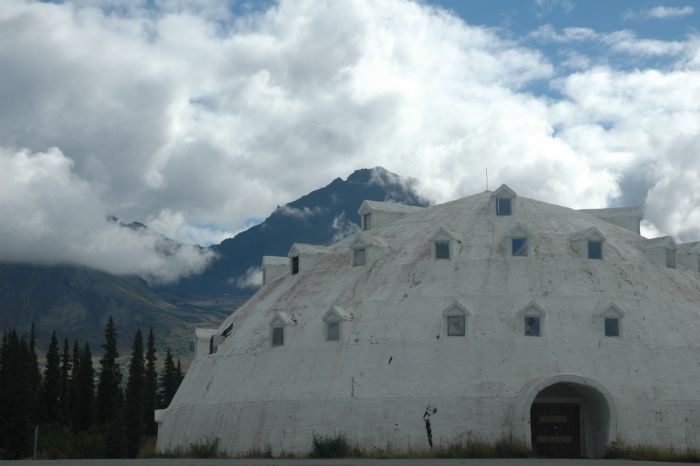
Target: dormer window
456	326
532	326
595	249
359	256
671	258
455	316
332	322
444	244
365	249
277	328
504	198
589	243
366	221
661	251
517	242
332	331
295	265
442	249
612	321
278	335
519	246
612	327
503	206
532	320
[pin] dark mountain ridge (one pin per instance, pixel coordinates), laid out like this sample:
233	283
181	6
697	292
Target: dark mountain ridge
76	301
320	217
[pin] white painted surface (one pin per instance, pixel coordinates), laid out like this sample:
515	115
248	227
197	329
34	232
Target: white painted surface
394	358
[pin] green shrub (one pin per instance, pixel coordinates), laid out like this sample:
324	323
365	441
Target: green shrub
58	441
619	450
206	448
329	446
148	448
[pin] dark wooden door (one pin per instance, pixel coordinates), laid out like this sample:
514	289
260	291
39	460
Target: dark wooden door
556	429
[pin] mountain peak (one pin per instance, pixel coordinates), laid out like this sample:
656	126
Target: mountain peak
366	175
321	217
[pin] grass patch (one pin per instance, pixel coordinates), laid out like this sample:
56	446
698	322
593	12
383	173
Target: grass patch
337	446
329	446
619	450
206	448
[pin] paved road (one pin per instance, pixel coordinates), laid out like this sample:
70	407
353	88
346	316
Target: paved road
341	462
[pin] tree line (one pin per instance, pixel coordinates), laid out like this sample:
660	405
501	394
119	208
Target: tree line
81	411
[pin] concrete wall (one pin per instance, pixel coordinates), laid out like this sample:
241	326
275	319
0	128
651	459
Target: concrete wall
394	359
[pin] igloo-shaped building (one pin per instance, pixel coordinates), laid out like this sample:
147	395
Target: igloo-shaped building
490	316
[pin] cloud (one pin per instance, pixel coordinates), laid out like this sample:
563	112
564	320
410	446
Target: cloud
342	227
620	42
547	6
304	213
51	215
194	119
660	12
252	278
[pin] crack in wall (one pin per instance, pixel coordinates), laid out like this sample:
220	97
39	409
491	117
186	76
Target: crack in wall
429	410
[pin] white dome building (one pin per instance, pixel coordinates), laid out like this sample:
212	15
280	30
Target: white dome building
498	315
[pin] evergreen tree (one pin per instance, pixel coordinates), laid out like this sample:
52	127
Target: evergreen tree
167	380
34	378
150	396
17	396
179	376
133	409
73	400
51	384
116	435
85	390
4	378
108	388
64	396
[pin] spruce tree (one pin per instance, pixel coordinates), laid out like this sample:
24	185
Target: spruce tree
108	388
18	396
73	399
133	409
85	390
178	376
64	396
4	379
34	378
51	384
116	446
167	380
150	389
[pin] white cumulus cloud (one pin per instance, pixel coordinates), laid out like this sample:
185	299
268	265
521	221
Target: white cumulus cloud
195	119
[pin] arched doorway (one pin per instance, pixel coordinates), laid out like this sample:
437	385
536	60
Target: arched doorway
565	416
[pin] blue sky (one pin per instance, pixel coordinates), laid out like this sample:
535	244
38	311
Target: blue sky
198	117
646	19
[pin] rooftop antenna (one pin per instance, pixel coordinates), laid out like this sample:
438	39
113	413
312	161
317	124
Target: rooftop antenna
487	179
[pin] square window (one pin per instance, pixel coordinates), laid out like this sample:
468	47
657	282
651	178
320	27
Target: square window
503	206
595	249
442	249
670	258
332	331
277	336
612	327
519	246
532	326
456	326
295	265
366	224
359	256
